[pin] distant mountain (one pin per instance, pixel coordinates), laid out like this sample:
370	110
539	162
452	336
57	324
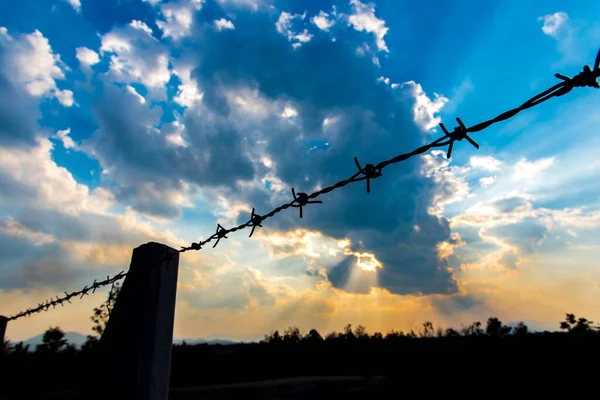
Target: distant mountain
204	341
72	337
78	339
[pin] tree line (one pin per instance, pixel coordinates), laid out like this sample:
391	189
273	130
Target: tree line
58	365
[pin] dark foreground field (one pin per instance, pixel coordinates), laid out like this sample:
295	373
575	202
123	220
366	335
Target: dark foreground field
323	387
353	369
472	362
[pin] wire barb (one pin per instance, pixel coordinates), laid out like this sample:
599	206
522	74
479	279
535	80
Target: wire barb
369	171
221	232
459	133
585	78
255	221
303	199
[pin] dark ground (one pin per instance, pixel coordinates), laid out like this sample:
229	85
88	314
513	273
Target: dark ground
347	368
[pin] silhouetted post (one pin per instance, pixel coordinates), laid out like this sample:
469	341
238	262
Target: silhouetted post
3	322
135	348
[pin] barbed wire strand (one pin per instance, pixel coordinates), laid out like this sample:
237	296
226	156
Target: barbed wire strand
587	78
67	297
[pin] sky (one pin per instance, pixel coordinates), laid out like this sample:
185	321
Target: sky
129	121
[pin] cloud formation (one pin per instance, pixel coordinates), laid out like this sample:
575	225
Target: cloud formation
553	23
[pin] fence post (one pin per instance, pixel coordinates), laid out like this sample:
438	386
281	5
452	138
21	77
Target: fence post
135	348
3	322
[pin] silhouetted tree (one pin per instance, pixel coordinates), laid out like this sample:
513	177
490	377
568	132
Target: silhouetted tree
273	337
292	335
428	330
521	329
102	313
53	341
576	326
348	334
361	332
313	336
394	334
449	332
377	336
20	349
496	328
473	330
90	343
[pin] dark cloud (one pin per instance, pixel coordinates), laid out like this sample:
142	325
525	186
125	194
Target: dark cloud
18	109
143	163
84	227
25	265
327	79
526	234
322	79
14	192
341	274
511	204
449	305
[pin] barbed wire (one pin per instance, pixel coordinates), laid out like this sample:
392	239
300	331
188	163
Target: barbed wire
587	78
67	297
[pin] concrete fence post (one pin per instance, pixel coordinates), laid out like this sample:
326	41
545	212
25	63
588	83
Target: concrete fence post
135	348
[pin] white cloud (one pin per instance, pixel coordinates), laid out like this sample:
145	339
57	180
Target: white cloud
284	26
576	217
76	4
233	289
506	209
289	112
553	23
486	163
36	67
249	102
222	23
424	109
252	4
13	228
152	2
303	37
174	135
178	17
65	97
131	89
450	187
487	181
66	140
188	93
140	25
363	19
530	169
136	56
86	56
284	23
44	184
322	22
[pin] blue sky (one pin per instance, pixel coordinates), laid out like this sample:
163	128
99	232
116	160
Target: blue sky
127	121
